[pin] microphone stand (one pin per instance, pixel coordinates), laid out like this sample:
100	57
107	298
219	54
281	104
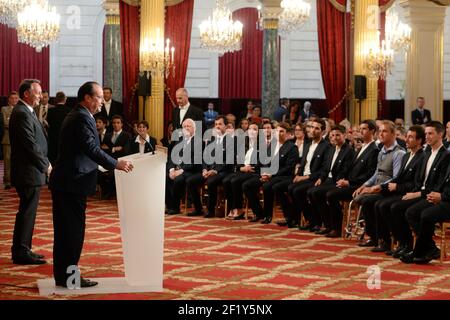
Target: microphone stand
153	150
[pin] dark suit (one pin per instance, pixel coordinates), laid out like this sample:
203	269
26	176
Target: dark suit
433	183
115	109
219	165
361	169
193	113
148	147
123	140
29	164
340	169
287	157
418	118
55	118
297	191
304	115
423	217
388	222
73	178
175	188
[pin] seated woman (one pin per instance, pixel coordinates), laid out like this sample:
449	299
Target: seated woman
248	169
256	117
143	142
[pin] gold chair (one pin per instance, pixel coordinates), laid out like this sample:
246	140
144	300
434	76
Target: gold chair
444	226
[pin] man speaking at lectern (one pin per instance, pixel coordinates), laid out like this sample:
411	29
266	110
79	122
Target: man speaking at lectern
73	178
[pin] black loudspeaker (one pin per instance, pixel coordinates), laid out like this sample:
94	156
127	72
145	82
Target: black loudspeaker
360	87
145	85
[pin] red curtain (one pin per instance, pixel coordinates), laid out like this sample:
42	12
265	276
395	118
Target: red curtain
19	61
178	26
331	29
240	73
129	33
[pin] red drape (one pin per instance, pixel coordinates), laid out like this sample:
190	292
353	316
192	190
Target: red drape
178	26
331	30
240	73
129	33
19	61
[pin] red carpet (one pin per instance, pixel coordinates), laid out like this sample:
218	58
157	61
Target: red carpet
219	259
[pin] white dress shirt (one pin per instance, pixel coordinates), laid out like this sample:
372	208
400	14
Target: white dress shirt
115	136
108	106
183	111
364	147
142	144
309	157
429	164
335	155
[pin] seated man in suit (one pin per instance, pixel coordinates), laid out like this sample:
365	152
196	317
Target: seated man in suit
388	168
117	146
101	123
337	167
110	107
428	181
388	222
276	166
184	161
361	169
311	169
43	108
423	216
143	142
420	115
210	115
215	168
447	136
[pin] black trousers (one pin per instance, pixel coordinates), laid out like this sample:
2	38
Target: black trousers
334	198
251	190
175	190
298	193
269	193
400	226
318	198
195	181
428	215
232	185
280	190
25	219
386	222
367	202
69	221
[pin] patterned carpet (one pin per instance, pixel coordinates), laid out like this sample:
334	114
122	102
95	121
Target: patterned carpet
220	259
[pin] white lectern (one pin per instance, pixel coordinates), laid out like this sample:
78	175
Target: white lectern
140	199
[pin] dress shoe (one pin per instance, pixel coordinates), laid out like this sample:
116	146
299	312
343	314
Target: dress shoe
266	220
292	224
408	257
239	217
333	234
323	232
255	219
172	212
368	243
402	250
209	215
314	229
28	259
195	213
282	223
36	255
305	227
383	247
84	283
433	254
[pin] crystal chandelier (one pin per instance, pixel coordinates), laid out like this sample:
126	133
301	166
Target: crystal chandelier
379	61
295	13
155	59
221	34
10	8
38	25
397	32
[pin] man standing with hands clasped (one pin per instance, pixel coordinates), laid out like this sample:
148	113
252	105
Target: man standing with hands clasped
74	178
29	165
